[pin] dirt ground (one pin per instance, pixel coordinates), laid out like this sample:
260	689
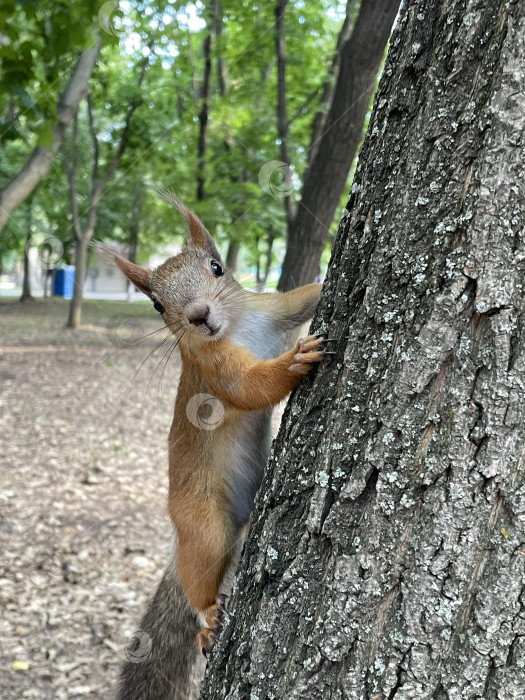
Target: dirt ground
84	534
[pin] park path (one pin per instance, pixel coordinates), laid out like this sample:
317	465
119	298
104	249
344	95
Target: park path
83	527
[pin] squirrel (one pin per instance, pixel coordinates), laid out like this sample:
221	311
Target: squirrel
232	346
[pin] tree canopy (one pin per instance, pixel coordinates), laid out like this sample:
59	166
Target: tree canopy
196	52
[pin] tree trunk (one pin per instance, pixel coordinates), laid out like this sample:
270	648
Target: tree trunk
98	187
40	160
75	307
205	93
325	178
327	94
134	226
222	69
26	283
282	111
385	559
231	256
262	276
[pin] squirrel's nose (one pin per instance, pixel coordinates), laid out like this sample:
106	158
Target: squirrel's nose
198	314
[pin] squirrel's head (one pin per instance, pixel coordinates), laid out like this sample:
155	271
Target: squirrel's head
190	290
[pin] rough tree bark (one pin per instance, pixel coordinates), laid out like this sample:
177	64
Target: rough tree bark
40	160
335	149
386	554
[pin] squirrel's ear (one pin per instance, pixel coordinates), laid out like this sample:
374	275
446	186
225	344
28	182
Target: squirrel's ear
139	276
199	235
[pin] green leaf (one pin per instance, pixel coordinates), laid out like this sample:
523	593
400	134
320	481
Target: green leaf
46	136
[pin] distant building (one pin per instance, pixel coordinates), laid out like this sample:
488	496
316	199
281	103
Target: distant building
103	277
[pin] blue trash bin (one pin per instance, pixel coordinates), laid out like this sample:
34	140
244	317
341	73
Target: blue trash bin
64	280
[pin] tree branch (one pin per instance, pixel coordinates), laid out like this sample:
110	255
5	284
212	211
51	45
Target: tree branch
39	162
329	82
309	99
282	120
205	103
325	177
127	127
94	139
100	185
222	69
194	80
71	171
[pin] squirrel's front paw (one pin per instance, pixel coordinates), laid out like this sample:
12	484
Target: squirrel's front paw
307	352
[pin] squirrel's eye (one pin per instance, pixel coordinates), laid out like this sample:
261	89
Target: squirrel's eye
158	306
216	269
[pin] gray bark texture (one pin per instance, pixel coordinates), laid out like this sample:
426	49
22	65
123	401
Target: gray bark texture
386	556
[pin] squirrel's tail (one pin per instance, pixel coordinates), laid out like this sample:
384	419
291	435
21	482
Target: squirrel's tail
163	662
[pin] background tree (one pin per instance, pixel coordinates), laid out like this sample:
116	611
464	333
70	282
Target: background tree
206	128
385	556
327	173
26	284
98	180
241	128
28	87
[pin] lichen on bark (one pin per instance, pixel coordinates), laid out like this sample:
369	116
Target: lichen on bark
387	549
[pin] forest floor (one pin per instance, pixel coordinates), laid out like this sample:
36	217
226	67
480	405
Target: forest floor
84	534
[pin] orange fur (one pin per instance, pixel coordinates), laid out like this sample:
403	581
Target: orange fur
197	498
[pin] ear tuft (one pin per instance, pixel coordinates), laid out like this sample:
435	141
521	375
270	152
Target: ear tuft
199	235
137	275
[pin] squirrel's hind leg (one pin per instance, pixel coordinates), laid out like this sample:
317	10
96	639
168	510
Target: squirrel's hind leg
203	556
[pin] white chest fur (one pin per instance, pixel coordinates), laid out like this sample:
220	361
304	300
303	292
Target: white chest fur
257	332
251	443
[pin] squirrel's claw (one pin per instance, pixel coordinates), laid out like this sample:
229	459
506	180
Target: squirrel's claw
215	618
